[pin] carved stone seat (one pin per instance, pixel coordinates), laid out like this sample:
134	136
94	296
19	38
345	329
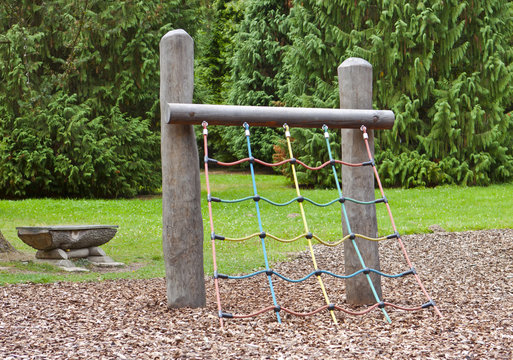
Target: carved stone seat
59	244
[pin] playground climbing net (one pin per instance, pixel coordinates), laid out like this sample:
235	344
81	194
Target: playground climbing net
307	234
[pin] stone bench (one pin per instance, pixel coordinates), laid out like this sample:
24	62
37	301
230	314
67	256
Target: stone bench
59	244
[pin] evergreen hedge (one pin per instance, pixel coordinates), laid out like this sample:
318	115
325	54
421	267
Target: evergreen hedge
256	73
79	115
79	107
444	67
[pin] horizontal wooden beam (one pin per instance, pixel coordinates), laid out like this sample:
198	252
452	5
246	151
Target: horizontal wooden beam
195	114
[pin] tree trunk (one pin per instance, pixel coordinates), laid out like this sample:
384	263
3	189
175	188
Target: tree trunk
5	247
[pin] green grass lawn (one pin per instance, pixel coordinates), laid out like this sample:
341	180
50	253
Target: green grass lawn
138	241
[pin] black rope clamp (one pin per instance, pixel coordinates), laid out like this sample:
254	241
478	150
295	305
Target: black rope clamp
211	198
214	236
410	272
220	276
269	272
381	304
318	272
300	199
370	162
251	160
262	235
332	162
309	235
393	236
331	307
292	160
366	271
210	160
277	309
381	200
256	198
342	200
428	304
352	236
225	315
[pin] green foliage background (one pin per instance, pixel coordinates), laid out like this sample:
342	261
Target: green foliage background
79	95
444	67
79	84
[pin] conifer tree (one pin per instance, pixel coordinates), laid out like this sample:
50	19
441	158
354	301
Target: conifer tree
257	69
78	95
444	67
215	49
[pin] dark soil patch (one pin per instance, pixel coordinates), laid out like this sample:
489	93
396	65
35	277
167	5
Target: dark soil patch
469	275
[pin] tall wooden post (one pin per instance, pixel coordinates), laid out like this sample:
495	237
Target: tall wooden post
182	237
355	89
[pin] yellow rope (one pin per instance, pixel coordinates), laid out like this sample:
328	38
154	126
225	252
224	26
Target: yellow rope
369	238
243	238
326	243
285	240
338	242
321	283
331	244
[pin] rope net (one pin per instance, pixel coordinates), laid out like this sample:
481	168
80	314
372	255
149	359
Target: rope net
306	234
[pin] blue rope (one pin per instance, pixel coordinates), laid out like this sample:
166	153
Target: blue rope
247	276
326	136
236	200
246	127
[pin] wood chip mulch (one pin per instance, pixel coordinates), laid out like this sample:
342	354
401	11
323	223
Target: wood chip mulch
468	274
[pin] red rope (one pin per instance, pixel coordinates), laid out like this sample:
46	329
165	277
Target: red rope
232	163
253	314
287	161
324	307
327	163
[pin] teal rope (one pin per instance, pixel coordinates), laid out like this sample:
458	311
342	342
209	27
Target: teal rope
326	136
296	199
246	127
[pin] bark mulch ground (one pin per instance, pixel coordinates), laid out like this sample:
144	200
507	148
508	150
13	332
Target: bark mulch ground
468	274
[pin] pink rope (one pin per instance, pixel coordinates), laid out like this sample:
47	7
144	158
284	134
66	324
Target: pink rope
403	249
